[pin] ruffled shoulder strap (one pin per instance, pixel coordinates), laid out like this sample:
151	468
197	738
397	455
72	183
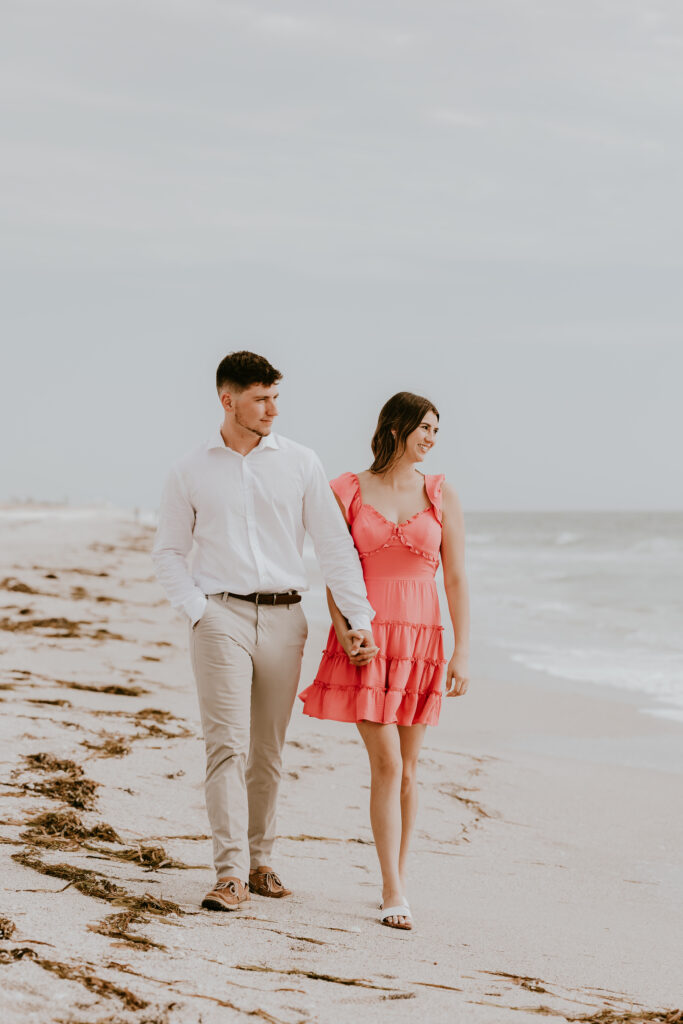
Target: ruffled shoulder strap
347	489
433	485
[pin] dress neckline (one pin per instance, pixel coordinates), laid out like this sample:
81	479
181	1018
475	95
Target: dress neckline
404	522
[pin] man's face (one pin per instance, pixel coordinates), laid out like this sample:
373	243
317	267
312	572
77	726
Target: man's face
255	408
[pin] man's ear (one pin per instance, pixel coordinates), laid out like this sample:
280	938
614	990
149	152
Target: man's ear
226	401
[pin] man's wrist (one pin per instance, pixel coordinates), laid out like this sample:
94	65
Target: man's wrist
360	622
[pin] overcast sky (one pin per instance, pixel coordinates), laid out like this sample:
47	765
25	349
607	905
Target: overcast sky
478	200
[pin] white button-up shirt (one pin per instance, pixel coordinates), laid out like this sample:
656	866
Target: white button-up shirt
246	516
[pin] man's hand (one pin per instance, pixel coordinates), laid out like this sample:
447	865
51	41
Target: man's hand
359	645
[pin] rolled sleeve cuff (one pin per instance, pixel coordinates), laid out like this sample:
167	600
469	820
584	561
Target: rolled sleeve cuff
360	622
195	606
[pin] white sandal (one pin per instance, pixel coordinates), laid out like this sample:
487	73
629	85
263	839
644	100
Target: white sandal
402	910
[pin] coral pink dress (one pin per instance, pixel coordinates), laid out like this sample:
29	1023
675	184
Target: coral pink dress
403	683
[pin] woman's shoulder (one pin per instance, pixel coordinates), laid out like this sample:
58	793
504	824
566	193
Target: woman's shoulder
442	495
344	482
347	490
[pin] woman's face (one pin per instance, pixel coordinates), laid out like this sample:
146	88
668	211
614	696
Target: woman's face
423	438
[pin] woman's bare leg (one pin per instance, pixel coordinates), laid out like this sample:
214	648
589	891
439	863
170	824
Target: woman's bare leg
411	738
384	751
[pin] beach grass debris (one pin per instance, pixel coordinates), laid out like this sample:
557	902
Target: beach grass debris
77	792
56	702
58	627
254	1012
7	928
55	828
97	885
80	973
314	975
304	837
154	858
456	792
117	926
110	746
113	688
151	721
611	1016
45	762
16	586
67	781
523	980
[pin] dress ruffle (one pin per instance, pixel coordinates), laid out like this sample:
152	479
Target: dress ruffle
402	684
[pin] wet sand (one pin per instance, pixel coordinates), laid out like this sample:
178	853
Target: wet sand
546	875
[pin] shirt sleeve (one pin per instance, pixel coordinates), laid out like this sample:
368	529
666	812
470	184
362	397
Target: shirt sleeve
335	549
172	546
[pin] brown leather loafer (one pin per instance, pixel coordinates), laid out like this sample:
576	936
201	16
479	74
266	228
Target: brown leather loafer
265	882
227	894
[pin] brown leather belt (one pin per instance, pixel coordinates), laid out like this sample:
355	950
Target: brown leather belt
290	597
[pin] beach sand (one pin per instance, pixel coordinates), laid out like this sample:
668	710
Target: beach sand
546	872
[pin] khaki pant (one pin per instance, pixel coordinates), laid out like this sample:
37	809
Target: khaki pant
246	661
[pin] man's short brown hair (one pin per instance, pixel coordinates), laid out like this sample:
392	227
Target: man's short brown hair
240	370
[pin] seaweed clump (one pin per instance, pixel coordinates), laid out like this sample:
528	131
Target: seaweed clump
92	883
69	784
111	746
151	857
79	793
7	928
65	828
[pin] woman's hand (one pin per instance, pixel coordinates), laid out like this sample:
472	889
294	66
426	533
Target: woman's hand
359	646
457	676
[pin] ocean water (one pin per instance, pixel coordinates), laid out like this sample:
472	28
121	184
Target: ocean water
591	598
594	599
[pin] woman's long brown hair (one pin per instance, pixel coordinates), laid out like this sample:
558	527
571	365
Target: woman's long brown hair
398	418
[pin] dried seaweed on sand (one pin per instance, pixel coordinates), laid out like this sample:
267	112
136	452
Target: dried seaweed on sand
152	857
7	928
69	785
75	972
96	885
117	926
59	627
111	746
78	792
49	763
113	688
15	586
59	828
610	1016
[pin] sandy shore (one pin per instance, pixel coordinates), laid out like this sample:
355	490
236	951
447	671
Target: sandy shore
547	864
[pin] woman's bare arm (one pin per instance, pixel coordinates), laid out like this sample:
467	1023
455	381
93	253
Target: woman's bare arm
355	644
349	639
457	592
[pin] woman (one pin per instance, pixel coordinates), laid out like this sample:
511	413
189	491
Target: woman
400	521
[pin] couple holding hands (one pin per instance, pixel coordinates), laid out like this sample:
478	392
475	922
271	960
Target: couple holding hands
244	501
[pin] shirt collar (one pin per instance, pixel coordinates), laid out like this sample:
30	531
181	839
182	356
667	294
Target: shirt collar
268	441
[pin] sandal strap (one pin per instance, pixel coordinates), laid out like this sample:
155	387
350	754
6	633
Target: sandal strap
402	910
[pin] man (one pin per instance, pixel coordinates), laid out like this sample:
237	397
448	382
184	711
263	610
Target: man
245	499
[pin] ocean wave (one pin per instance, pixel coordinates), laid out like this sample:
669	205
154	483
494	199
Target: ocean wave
567	537
669	547
657	675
